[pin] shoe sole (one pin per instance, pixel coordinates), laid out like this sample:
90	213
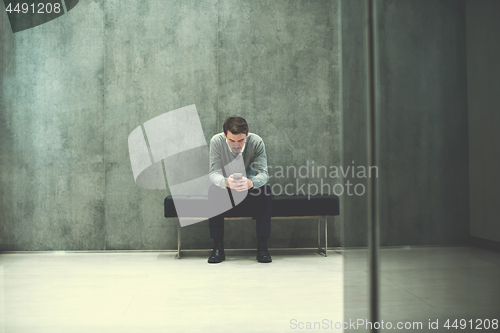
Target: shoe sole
216	262
264	261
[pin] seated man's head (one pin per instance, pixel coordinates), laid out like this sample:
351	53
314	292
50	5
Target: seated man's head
236	132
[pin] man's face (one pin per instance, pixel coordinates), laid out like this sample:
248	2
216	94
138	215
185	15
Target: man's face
236	141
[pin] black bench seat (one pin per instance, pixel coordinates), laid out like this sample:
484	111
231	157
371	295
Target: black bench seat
316	207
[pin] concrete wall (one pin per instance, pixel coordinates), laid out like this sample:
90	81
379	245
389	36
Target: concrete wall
74	88
52	160
422	128
423	125
483	83
353	105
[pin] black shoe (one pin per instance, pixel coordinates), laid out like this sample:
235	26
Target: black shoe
218	254
262	252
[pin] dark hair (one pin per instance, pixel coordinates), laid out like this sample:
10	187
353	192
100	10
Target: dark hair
235	125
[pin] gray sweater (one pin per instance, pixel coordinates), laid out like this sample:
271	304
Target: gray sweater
254	158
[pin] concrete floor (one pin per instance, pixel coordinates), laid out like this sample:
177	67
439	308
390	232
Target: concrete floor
155	292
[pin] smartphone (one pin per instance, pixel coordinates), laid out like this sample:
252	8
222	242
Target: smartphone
237	176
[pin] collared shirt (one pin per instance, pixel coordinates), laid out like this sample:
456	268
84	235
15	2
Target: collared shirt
242	149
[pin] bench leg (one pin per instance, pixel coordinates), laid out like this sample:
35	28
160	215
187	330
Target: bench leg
320	249
179	240
319	235
326	236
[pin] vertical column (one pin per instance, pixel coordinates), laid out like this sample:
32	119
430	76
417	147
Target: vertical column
372	158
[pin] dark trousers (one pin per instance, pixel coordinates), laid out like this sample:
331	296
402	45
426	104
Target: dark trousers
258	201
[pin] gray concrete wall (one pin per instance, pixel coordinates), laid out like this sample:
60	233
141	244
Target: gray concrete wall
483	72
74	88
353	105
52	159
423	125
422	129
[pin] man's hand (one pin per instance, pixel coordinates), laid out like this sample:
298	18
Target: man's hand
243	184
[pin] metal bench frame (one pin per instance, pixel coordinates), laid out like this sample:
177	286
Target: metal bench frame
323	251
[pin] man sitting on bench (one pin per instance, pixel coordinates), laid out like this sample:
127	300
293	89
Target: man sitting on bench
236	146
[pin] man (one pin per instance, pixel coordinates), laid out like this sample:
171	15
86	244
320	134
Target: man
231	152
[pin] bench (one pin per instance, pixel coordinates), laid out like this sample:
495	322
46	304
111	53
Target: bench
317	207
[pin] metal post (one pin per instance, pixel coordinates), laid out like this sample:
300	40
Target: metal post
319	235
326	236
372	158
179	240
